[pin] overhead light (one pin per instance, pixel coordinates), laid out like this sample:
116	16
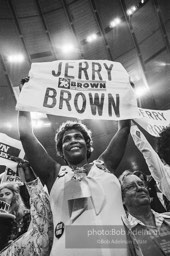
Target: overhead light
141	3
115	22
91	38
37	115
67	48
134	165
131	10
40	124
162	64
8	125
16	58
140	91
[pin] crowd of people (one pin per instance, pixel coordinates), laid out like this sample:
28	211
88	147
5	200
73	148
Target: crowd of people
83	194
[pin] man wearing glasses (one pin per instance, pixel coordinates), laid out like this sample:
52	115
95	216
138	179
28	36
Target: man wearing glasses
149	231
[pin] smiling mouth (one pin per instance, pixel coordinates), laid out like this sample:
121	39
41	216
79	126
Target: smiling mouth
74	148
142	194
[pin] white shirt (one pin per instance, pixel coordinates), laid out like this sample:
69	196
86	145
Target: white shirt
159	171
93	201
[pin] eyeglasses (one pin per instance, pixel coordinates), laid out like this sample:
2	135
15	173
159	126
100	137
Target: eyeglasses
134	186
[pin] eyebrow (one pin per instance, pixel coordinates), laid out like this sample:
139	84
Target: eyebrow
65	136
74	134
138	182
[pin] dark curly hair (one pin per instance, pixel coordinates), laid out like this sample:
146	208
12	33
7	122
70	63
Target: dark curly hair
78	126
163	145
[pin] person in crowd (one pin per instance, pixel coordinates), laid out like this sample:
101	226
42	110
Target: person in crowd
141	175
25	195
148	230
160	170
157	198
81	193
37	240
6	222
10	193
164	145
163	148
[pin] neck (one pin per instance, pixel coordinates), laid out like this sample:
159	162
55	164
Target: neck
74	166
144	214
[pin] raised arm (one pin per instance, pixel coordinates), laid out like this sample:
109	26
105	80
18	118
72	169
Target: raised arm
114	152
158	170
38	238
44	166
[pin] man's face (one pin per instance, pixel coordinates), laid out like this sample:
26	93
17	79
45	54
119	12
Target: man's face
74	147
134	192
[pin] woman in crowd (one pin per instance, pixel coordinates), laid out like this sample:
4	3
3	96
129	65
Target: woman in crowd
37	239
10	193
6	221
81	193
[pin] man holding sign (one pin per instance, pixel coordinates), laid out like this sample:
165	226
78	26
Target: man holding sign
81	193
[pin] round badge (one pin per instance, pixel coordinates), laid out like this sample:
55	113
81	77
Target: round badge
59	229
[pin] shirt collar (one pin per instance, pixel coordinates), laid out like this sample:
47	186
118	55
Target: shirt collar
134	221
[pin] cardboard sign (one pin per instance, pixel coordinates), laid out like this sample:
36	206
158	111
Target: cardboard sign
10	147
83	89
10	175
153	121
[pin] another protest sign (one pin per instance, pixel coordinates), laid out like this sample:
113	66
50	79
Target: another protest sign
153	121
10	148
